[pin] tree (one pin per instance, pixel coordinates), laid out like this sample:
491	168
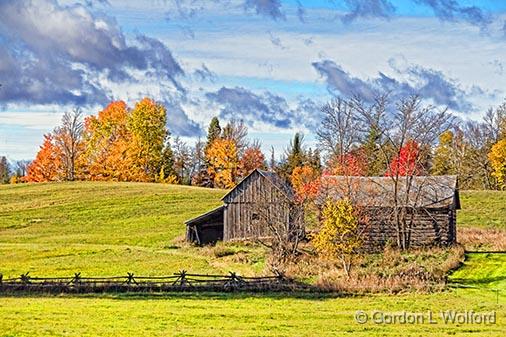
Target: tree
295	156
5	170
47	165
147	124
407	130
497	158
182	161
305	182
237	132
340	234
252	159
442	163
407	162
223	162
68	138
106	142
214	131
340	130
353	163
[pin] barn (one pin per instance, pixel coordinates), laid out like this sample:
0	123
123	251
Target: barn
240	216
428	205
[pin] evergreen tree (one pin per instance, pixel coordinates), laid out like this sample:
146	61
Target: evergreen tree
214	131
4	170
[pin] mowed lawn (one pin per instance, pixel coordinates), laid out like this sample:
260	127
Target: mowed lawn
114	228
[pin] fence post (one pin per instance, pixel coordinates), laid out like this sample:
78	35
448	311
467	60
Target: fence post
130	279
25	278
77	279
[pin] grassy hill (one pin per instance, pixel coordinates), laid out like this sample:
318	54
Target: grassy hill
106	229
111	228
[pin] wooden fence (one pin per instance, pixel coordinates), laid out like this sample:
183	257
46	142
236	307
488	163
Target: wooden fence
181	281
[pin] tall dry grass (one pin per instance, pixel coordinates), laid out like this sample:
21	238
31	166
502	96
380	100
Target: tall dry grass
482	239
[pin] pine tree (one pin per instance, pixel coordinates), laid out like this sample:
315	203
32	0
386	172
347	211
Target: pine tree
214	131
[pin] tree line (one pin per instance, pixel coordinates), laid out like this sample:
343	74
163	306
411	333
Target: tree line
386	137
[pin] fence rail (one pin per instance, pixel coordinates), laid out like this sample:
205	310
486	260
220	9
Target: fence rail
181	281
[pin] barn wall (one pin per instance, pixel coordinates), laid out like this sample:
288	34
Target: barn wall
431	227
241	204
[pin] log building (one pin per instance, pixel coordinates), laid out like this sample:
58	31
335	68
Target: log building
427	206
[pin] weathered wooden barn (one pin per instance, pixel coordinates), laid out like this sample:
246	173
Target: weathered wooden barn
240	217
427	206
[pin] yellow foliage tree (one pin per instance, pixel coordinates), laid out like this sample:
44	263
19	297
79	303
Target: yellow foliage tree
223	161
339	236
147	124
497	158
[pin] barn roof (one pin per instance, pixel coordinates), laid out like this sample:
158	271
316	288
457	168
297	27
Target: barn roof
424	191
278	182
206	216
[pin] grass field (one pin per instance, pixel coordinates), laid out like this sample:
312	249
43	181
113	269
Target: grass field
112	228
483	209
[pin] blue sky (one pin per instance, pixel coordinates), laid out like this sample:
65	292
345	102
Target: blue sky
271	63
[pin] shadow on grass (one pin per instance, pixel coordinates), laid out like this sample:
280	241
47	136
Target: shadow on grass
480	281
190	295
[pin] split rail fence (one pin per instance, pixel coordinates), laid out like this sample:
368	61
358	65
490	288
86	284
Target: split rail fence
181	281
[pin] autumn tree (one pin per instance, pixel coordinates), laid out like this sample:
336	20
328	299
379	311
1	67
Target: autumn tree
47	165
223	162
497	158
68	137
340	235
407	133
353	163
106	141
407	161
252	159
147	125
305	182
442	163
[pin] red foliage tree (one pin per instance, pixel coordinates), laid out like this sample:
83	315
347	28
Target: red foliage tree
353	163
407	162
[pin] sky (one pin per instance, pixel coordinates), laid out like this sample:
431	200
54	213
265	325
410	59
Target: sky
270	63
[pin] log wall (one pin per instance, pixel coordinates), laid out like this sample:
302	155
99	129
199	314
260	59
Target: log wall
430	227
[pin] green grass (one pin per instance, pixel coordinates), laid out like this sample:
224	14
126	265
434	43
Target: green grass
486	209
106	229
112	228
483	270
240	315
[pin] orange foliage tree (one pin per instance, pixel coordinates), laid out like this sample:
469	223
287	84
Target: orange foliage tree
252	159
353	163
106	141
306	182
223	162
47	165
